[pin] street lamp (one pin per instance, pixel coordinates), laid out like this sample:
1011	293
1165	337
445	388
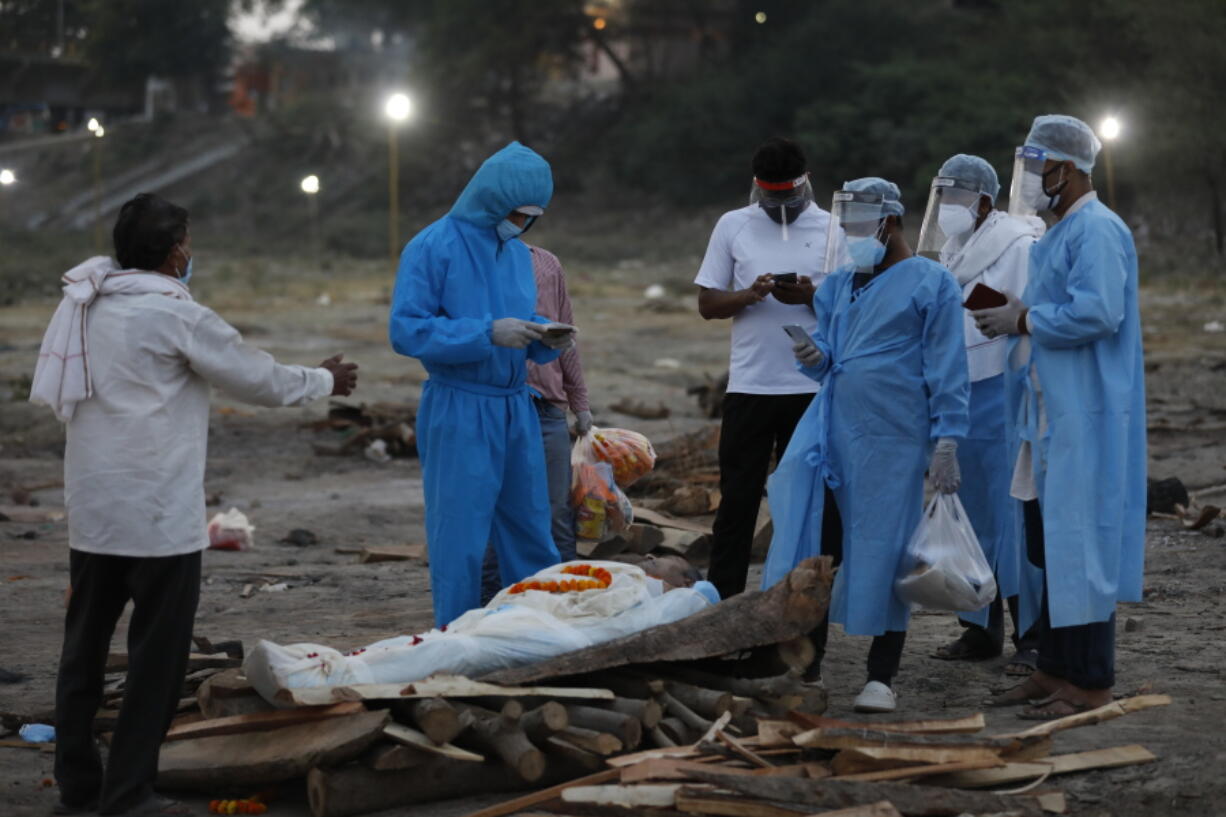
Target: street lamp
98	132
93	124
1109	130
397	109
7	177
310	186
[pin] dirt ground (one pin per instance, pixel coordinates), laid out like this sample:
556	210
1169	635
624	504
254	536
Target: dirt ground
262	462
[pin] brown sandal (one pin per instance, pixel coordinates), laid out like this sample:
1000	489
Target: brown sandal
1027	692
1052	709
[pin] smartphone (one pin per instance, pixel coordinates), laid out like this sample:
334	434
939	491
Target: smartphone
984	297
557	330
784	277
798	334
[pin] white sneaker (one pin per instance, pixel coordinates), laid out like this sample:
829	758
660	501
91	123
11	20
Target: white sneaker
876	697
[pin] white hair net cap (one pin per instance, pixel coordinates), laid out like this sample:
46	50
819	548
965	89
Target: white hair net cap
891	196
973	170
1065	138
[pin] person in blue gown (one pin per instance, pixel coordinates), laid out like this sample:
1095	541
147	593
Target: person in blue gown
464	305
1077	379
889	355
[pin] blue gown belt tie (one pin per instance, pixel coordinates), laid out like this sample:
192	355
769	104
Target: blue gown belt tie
484	389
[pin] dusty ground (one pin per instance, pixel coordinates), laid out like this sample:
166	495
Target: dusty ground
262	462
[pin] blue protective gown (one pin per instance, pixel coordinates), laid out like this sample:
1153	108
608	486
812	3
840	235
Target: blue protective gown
1090	462
893	380
483	465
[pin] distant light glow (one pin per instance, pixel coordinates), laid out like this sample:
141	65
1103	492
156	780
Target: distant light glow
100	132
398	107
599	23
310	185
7	177
1109	129
760	17
93	125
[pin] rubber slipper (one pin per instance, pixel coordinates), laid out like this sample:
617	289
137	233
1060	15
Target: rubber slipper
961	649
1042	711
1027	660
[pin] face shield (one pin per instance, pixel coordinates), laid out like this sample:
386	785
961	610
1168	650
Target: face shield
1026	196
856	226
782	201
953	209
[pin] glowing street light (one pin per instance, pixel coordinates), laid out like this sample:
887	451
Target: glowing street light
397	109
93	124
600	23
100	132
760	17
1109	130
7	177
310	185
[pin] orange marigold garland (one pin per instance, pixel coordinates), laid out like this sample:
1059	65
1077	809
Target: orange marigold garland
593	578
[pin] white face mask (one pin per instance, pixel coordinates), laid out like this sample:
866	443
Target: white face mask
955	221
1032	193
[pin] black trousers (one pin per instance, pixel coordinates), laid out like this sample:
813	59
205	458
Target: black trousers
885	653
755	427
1084	654
164	592
994	634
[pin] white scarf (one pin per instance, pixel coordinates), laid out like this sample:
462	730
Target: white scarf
989	243
62	377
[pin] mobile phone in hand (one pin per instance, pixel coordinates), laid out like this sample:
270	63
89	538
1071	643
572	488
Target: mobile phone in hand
784	277
557	330
984	297
798	334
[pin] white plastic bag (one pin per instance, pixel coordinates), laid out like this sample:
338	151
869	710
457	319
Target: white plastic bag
231	531
944	567
601	507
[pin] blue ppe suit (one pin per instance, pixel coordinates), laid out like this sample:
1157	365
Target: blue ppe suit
483	464
1089	463
894	380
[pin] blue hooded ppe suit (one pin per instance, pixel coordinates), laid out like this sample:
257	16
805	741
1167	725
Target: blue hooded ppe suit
483	464
894	380
1086	421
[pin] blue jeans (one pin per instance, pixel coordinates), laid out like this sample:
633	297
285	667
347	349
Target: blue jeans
556	437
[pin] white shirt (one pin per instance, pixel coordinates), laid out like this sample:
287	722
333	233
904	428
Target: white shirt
746	243
134	460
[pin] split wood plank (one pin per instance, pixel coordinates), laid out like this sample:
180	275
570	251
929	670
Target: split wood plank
261	721
17	743
736	746
544	795
912	772
650	754
259	758
939	726
774	733
417	740
790	608
876	758
831	792
391	553
1115	709
1111	758
661	520
669	768
438	686
840	738
643	795
695	800
30	515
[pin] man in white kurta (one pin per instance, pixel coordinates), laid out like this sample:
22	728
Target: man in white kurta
127	364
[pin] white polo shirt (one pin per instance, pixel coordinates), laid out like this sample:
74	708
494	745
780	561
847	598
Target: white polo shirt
746	243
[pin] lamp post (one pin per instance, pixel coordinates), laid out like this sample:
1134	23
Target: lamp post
1109	130
397	109
310	186
7	177
98	132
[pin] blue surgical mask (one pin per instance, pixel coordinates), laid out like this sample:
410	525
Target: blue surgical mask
866	252
186	276
508	229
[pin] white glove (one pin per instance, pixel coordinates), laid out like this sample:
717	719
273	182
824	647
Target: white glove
943	470
583	422
807	354
514	333
1001	320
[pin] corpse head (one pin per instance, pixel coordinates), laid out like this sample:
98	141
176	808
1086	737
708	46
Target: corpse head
674	571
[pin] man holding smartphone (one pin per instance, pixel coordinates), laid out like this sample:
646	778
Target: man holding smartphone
761	269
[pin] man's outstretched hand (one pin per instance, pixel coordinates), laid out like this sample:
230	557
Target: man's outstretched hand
344	375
